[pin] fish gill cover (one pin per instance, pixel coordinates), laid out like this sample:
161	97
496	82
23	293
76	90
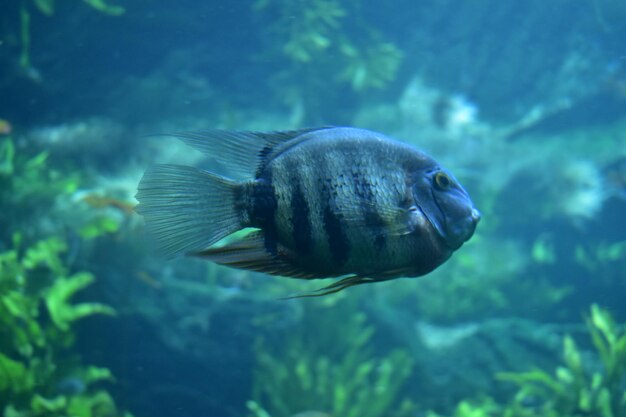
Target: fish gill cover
524	109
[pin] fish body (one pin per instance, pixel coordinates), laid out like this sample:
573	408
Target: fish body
327	202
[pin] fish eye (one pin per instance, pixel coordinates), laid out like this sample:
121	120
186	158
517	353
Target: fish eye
442	181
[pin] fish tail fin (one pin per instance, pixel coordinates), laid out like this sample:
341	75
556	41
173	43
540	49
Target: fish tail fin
187	209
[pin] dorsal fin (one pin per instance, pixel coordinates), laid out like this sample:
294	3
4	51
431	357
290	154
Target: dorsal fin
243	152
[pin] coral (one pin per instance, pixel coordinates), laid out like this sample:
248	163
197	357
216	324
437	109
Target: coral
327	365
39	376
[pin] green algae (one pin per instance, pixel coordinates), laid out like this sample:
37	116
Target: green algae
581	385
48	7
327	364
575	387
36	328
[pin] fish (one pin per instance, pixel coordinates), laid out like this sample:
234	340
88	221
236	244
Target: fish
323	202
98	201
5	127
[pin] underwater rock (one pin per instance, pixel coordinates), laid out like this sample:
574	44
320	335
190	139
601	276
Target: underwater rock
442	337
190	340
459	360
90	143
444	123
480	46
451	116
573	191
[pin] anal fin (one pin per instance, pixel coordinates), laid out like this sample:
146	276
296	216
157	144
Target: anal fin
250	253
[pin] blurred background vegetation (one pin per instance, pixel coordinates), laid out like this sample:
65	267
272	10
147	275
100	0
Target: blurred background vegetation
527	110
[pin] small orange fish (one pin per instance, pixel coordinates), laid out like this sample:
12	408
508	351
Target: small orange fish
149	280
97	201
5	127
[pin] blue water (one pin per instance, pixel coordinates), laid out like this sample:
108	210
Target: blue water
525	102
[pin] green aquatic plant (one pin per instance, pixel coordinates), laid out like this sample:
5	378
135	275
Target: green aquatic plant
371	66
327	365
574	389
312	28
39	375
28	184
325	45
47	7
583	385
603	259
485	407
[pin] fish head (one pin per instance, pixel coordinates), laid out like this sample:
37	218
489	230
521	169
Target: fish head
446	205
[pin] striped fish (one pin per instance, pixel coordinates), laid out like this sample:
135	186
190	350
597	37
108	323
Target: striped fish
326	202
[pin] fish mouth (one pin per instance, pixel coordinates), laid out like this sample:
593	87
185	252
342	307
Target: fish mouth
455	234
463	230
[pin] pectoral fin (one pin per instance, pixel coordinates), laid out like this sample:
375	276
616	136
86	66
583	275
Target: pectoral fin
342	284
393	220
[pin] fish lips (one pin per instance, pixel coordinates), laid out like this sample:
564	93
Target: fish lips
452	215
462	229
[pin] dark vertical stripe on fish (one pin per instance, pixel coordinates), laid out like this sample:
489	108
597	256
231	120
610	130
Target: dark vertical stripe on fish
376	224
263	153
373	219
300	218
328	187
338	242
264	206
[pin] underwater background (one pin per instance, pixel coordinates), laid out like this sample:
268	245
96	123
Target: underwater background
525	101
